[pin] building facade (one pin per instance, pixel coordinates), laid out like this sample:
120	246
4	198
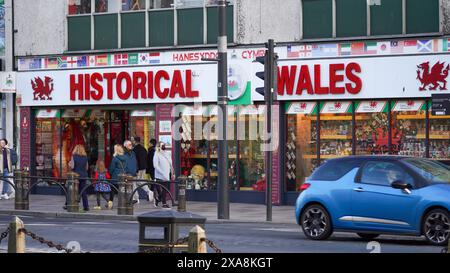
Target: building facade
354	77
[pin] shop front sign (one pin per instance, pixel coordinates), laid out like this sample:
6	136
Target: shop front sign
163	84
363	78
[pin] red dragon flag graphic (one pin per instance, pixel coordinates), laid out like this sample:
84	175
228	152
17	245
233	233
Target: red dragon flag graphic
437	74
42	88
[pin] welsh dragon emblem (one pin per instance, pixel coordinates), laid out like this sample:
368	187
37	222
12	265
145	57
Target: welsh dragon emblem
437	74
42	88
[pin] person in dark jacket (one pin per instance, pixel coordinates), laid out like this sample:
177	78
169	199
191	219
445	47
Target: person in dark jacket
141	156
131	164
116	168
79	165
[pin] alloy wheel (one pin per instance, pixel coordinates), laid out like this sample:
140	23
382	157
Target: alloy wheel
315	222
437	227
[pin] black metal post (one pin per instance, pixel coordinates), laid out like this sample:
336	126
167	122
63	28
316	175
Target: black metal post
72	184
268	96
182	193
222	100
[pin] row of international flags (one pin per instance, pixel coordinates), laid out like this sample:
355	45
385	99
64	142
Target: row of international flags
293	51
102	60
369	48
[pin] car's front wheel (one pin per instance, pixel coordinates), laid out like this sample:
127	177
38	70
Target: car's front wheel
436	227
316	222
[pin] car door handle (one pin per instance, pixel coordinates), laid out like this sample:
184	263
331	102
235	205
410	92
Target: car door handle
358	189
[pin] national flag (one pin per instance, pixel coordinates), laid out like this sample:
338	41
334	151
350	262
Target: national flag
371	47
72	62
345	49
51	63
34	64
101	60
410	46
438	45
82	61
91	61
62	62
425	46
446	45
133	58
325	50
397	47
144	58
120	59
154	58
305	51
383	48
292	54
358	48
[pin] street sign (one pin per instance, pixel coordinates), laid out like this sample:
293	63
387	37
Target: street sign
440	104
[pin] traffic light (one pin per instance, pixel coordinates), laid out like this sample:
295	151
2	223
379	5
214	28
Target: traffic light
269	75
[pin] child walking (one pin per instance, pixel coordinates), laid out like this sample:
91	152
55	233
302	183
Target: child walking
102	189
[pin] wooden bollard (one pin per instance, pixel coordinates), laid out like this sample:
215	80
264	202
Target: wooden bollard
16	240
197	242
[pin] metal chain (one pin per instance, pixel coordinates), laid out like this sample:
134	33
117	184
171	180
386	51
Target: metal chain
160	249
212	245
43	241
4	235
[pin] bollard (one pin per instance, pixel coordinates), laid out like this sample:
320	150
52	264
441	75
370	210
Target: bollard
19	192
197	243
182	194
16	240
124	195
72	186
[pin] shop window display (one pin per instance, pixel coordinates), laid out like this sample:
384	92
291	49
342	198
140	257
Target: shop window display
408	128
251	158
161	4
142	124
103	6
133	5
48	145
336	128
372	130
301	143
439	137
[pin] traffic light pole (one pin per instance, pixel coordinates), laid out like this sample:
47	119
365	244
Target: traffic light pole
268	96
222	189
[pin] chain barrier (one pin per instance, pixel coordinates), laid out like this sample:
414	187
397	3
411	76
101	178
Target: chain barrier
4	235
41	240
161	249
212	245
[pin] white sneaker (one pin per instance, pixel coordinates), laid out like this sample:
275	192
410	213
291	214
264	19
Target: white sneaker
11	196
3	196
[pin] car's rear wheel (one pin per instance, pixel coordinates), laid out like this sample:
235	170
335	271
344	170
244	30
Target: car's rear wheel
316	223
436	227
368	236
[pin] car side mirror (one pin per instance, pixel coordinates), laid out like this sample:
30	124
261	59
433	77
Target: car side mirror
398	184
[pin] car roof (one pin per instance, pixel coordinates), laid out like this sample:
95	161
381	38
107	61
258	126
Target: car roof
368	157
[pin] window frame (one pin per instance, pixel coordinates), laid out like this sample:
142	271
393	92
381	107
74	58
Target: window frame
358	177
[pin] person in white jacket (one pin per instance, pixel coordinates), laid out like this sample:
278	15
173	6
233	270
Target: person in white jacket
164	171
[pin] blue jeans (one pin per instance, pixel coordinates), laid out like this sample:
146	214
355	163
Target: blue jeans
7	189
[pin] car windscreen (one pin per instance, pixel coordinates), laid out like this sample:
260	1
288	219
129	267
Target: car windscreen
335	169
432	171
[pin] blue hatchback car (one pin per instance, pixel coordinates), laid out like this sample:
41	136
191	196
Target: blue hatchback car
373	195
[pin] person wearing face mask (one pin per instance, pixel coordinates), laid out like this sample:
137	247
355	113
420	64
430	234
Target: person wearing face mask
163	170
131	163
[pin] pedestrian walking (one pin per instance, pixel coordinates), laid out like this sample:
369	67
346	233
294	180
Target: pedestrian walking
102	189
80	166
141	156
8	159
164	171
116	168
131	164
151	169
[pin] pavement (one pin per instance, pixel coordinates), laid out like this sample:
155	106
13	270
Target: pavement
51	206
